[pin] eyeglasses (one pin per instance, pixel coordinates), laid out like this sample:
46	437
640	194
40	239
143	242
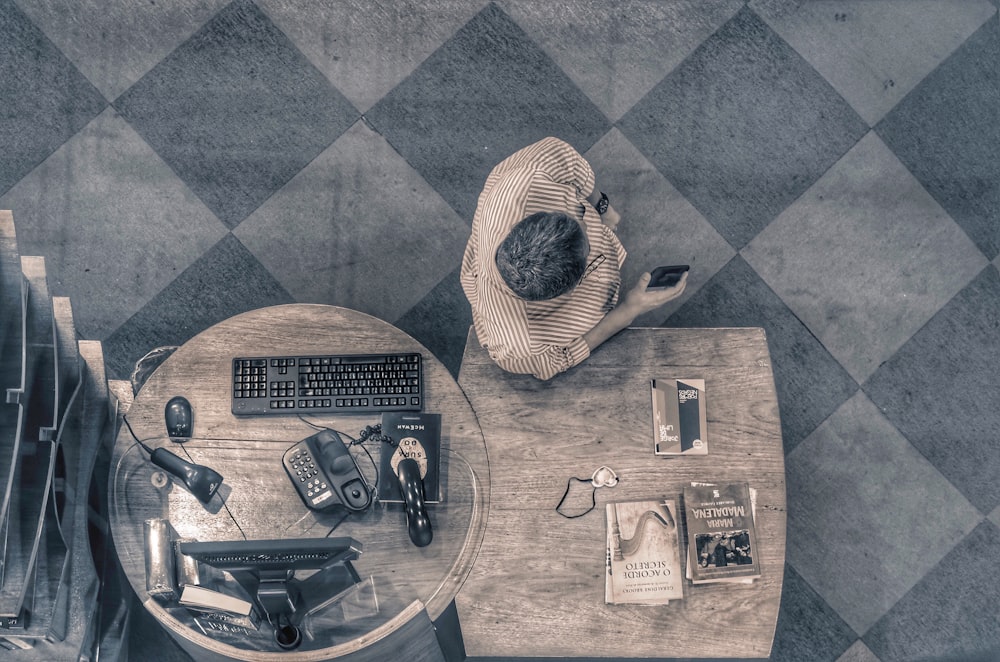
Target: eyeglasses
596	262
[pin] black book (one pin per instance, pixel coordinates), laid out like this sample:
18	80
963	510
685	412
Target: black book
416	435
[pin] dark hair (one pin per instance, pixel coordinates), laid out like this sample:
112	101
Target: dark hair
543	256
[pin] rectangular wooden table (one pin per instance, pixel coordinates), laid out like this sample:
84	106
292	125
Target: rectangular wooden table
537	586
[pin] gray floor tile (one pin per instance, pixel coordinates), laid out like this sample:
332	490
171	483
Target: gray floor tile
366	49
617	51
874	53
939	390
117	229
114	42
858	652
441	321
236	111
225	281
742	127
487	92
808	629
857	474
850	257
946	132
357	228
810	382
948	615
748	121
45	99
659	226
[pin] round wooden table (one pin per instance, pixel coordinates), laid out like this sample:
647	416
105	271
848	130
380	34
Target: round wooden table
259	499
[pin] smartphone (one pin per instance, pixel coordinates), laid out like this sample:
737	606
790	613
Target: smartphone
664	277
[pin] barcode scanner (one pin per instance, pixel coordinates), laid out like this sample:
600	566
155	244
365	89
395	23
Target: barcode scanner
201	481
198	479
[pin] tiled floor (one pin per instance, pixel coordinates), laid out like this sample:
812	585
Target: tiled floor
830	169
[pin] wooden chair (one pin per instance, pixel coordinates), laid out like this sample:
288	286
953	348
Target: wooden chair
52	425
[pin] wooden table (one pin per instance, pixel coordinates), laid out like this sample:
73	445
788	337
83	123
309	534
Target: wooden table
537	588
247	452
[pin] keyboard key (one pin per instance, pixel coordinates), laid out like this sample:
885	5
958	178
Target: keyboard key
331	383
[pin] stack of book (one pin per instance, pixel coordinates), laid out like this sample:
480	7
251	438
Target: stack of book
215	611
721	537
643	554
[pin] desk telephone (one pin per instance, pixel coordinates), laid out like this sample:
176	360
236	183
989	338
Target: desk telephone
325	475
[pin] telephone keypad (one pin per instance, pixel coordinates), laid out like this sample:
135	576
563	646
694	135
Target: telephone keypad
324	474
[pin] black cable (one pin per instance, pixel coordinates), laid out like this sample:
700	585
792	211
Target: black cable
593	498
224	504
190	459
314	426
134	436
343	517
372	490
370	433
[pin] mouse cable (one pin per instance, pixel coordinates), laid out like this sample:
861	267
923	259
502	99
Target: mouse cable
190	459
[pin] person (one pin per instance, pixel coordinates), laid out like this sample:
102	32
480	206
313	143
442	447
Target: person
542	268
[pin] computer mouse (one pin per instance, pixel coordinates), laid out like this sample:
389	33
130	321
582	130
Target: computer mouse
178	417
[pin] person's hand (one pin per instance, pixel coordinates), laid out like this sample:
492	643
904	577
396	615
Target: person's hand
639	300
611	218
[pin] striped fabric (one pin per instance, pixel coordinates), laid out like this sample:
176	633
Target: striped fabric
542	338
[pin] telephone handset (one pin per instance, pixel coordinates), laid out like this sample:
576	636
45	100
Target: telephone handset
324	473
409	461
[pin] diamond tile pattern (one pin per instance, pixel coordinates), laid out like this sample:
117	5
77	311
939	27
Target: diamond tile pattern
353	202
857	478
263	111
808	629
810	382
225	281
874	53
828	169
946	133
933	390
825	257
488	91
114	42
638	42
742	127
914	628
349	46
122	218
45	99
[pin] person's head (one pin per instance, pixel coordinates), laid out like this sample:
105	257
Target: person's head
544	256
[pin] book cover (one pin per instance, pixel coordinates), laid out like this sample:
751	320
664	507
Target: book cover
680	422
225	621
721	537
417	435
200	598
643	553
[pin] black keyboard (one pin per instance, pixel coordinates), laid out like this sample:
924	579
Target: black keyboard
317	384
